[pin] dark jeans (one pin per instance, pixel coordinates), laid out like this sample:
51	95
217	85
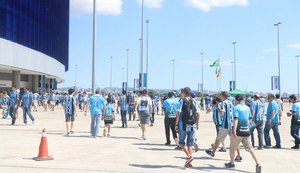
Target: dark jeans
295	134
152	118
131	113
124	119
12	113
275	129
259	126
27	111
170	124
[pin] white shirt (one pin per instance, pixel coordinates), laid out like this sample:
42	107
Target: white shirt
144	103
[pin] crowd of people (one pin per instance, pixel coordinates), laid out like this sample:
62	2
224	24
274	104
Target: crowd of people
237	117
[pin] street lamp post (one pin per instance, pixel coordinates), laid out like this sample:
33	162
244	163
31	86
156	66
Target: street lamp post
234	60
141	51
127	67
75	77
278	53
122	74
298	56
110	85
94	47
173	60
147	71
202	73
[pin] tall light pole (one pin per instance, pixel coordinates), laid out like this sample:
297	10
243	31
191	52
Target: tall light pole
278	53
94	47
298	56
234	60
127	68
232	70
147	71
110	85
202	73
75	77
141	51
173	60
122	74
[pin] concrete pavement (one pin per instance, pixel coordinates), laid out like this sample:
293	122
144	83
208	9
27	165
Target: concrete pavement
125	151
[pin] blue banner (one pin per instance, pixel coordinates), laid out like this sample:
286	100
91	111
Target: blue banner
232	85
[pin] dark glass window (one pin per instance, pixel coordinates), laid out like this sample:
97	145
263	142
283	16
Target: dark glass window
42	25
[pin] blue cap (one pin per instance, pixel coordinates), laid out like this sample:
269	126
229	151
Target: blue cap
193	94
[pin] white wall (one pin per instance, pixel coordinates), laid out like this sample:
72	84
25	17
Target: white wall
21	57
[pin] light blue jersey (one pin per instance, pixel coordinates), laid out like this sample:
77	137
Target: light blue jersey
243	114
27	99
97	103
226	107
13	98
35	96
296	109
259	111
273	106
108	112
216	116
170	106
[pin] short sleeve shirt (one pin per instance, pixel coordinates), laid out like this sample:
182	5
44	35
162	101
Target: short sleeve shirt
144	103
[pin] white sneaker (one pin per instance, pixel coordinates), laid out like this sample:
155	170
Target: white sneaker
176	141
108	135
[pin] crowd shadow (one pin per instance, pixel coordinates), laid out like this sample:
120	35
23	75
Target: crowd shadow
212	168
157	149
203	158
125	137
148	166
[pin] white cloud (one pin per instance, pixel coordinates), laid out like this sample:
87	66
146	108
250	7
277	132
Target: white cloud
294	46
108	7
152	3
207	5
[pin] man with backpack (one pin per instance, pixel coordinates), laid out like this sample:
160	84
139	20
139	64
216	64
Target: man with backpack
70	109
241	132
295	122
187	122
170	107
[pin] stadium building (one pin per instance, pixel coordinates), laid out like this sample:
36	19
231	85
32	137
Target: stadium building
34	43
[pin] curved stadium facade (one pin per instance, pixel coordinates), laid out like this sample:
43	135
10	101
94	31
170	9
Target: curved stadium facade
34	43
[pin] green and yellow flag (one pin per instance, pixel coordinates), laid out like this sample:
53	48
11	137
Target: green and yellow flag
216	63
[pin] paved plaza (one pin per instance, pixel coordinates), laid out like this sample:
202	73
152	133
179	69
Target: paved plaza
125	151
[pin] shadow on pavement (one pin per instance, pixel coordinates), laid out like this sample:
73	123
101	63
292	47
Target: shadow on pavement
212	168
155	166
202	158
157	149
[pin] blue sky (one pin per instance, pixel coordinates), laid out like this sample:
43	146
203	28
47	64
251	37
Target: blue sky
181	30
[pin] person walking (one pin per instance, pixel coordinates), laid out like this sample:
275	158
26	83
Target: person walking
108	117
258	112
144	107
170	107
189	116
124	109
272	123
35	99
25	103
295	121
154	105
242	119
96	105
217	119
13	104
70	108
4	102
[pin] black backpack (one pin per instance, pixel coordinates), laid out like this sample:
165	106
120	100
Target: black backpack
189	112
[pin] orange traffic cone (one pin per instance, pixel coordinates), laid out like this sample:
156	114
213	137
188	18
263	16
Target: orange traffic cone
43	150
